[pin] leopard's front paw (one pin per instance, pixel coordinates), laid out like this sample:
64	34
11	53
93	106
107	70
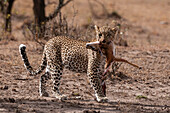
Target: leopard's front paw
45	94
101	99
60	96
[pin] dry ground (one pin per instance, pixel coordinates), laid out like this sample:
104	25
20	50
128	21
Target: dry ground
146	90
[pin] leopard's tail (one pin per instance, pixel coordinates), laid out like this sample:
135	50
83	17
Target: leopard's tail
27	65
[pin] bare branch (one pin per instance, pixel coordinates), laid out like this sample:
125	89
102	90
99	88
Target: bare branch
92	10
103	6
57	10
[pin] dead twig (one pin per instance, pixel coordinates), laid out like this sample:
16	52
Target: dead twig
57	10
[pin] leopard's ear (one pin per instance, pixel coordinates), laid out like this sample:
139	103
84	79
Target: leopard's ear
115	28
96	28
97	31
116	31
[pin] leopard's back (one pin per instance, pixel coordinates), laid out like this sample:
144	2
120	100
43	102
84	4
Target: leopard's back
73	53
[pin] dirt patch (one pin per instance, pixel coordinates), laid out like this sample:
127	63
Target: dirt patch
130	90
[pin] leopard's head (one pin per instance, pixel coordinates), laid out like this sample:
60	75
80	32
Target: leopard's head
105	37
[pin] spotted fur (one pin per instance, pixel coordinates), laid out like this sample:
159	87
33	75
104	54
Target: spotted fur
62	51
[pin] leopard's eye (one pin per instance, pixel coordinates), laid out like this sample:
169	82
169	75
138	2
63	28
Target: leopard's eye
100	35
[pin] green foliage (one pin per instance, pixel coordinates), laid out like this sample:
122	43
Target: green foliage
141	97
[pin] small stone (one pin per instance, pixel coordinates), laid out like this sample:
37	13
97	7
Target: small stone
164	22
5	88
14	90
12	100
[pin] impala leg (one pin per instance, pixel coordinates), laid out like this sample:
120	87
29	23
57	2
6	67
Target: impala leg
123	60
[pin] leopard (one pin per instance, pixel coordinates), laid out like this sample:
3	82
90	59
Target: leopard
78	56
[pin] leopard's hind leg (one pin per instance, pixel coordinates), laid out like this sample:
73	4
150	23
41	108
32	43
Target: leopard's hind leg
55	68
56	77
42	85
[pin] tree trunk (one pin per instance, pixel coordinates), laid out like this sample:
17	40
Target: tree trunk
1	6
8	16
39	20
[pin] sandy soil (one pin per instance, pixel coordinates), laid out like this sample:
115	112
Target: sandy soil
132	90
